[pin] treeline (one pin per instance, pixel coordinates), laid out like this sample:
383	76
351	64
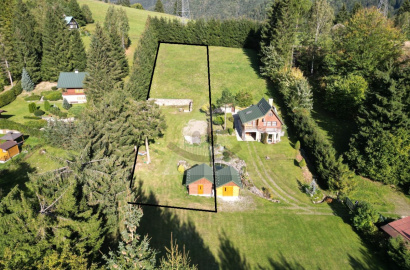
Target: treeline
229	33
35	37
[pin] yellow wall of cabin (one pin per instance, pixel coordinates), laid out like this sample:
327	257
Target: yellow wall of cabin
235	191
9	153
14	151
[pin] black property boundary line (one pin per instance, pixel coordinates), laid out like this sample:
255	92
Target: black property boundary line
212	134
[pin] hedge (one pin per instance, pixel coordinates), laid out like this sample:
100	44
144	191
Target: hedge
10	95
32	98
25	129
39	112
53	96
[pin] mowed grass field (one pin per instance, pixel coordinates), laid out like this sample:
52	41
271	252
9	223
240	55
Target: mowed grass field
251	233
136	19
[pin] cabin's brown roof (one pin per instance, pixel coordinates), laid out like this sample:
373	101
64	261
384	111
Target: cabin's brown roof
11	136
7	145
401	226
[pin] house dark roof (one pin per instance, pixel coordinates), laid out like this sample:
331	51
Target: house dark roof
7	145
198	172
401	226
11	136
256	111
71	79
226	175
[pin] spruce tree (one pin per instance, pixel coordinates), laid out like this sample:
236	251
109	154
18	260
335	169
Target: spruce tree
55	45
26	82
118	53
7	53
27	41
343	15
66	105
159	7
76	12
88	16
123	27
104	72
76	55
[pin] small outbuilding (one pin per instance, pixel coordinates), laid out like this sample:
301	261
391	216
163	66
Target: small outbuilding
199	180
398	227
8	150
13	136
227	182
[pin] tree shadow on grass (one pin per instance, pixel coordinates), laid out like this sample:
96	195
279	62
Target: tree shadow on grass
368	262
15	174
159	223
229	256
281	263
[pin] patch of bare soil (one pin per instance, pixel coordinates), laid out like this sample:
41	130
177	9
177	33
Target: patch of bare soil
194	126
43	86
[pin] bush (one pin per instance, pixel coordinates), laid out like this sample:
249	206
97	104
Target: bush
230	131
39	112
7	98
302	163
32	117
17	89
219	120
36	124
56	111
243	98
66	105
32	107
364	218
181	169
32	98
54	88
8	124
297	145
399	252
205	109
47	105
53	96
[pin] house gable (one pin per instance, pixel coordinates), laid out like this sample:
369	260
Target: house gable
227	175
257	112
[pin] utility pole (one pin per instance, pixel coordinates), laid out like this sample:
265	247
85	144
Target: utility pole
183	10
383	6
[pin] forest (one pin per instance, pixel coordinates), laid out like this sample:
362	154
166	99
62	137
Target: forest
351	62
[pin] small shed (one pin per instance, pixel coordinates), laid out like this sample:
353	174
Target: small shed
13	136
199	180
227	182
8	150
398	227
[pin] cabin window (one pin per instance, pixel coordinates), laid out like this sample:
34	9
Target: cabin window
270	113
269	124
78	91
274	123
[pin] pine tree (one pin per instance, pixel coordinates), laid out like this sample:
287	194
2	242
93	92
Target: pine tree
123	27
76	56
88	16
111	20
357	6
26	82
55	45
47	105
76	12
66	105
343	15
104	71
159	7
27	41
118	53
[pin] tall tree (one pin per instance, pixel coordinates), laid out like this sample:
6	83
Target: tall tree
159	7
88	16
76	55
319	23
125	3
357	6
104	72
27	42
6	38
55	45
76	12
343	15
123	27
118	53
226	99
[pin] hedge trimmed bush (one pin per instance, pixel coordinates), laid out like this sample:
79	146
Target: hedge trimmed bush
32	107
32	117
53	96
17	89
8	124
230	131
32	98
7	98
40	123
47	105
56	111
39	112
54	88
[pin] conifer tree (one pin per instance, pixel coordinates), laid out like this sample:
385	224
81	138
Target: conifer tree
76	12
88	16
159	7
118	53
123	27
26	82
111	20
104	72
343	15
76	55
55	45
27	41
7	53
226	99
357	6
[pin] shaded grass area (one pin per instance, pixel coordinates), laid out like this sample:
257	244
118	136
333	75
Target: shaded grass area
136	19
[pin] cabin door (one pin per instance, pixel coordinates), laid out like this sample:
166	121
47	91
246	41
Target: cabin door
227	191
200	189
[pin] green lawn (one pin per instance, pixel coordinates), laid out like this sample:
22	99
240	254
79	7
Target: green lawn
251	233
136	18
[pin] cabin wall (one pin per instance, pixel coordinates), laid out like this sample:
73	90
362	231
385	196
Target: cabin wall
219	190
14	151
193	188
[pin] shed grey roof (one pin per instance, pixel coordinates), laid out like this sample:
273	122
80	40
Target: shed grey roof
256	111
68	19
198	172
71	79
7	145
226	175
11	136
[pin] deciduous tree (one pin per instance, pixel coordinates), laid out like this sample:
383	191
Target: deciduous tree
227	99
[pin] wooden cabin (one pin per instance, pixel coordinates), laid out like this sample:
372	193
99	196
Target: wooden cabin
227	182
399	227
73	85
71	23
261	122
199	180
13	136
8	150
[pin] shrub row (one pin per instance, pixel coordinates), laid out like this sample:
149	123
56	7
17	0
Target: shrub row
56	111
10	95
31	128
32	98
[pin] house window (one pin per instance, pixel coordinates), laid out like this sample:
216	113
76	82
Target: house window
270	113
78	91
269	124
274	123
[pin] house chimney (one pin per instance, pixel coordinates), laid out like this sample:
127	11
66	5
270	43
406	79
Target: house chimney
76	71
270	102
